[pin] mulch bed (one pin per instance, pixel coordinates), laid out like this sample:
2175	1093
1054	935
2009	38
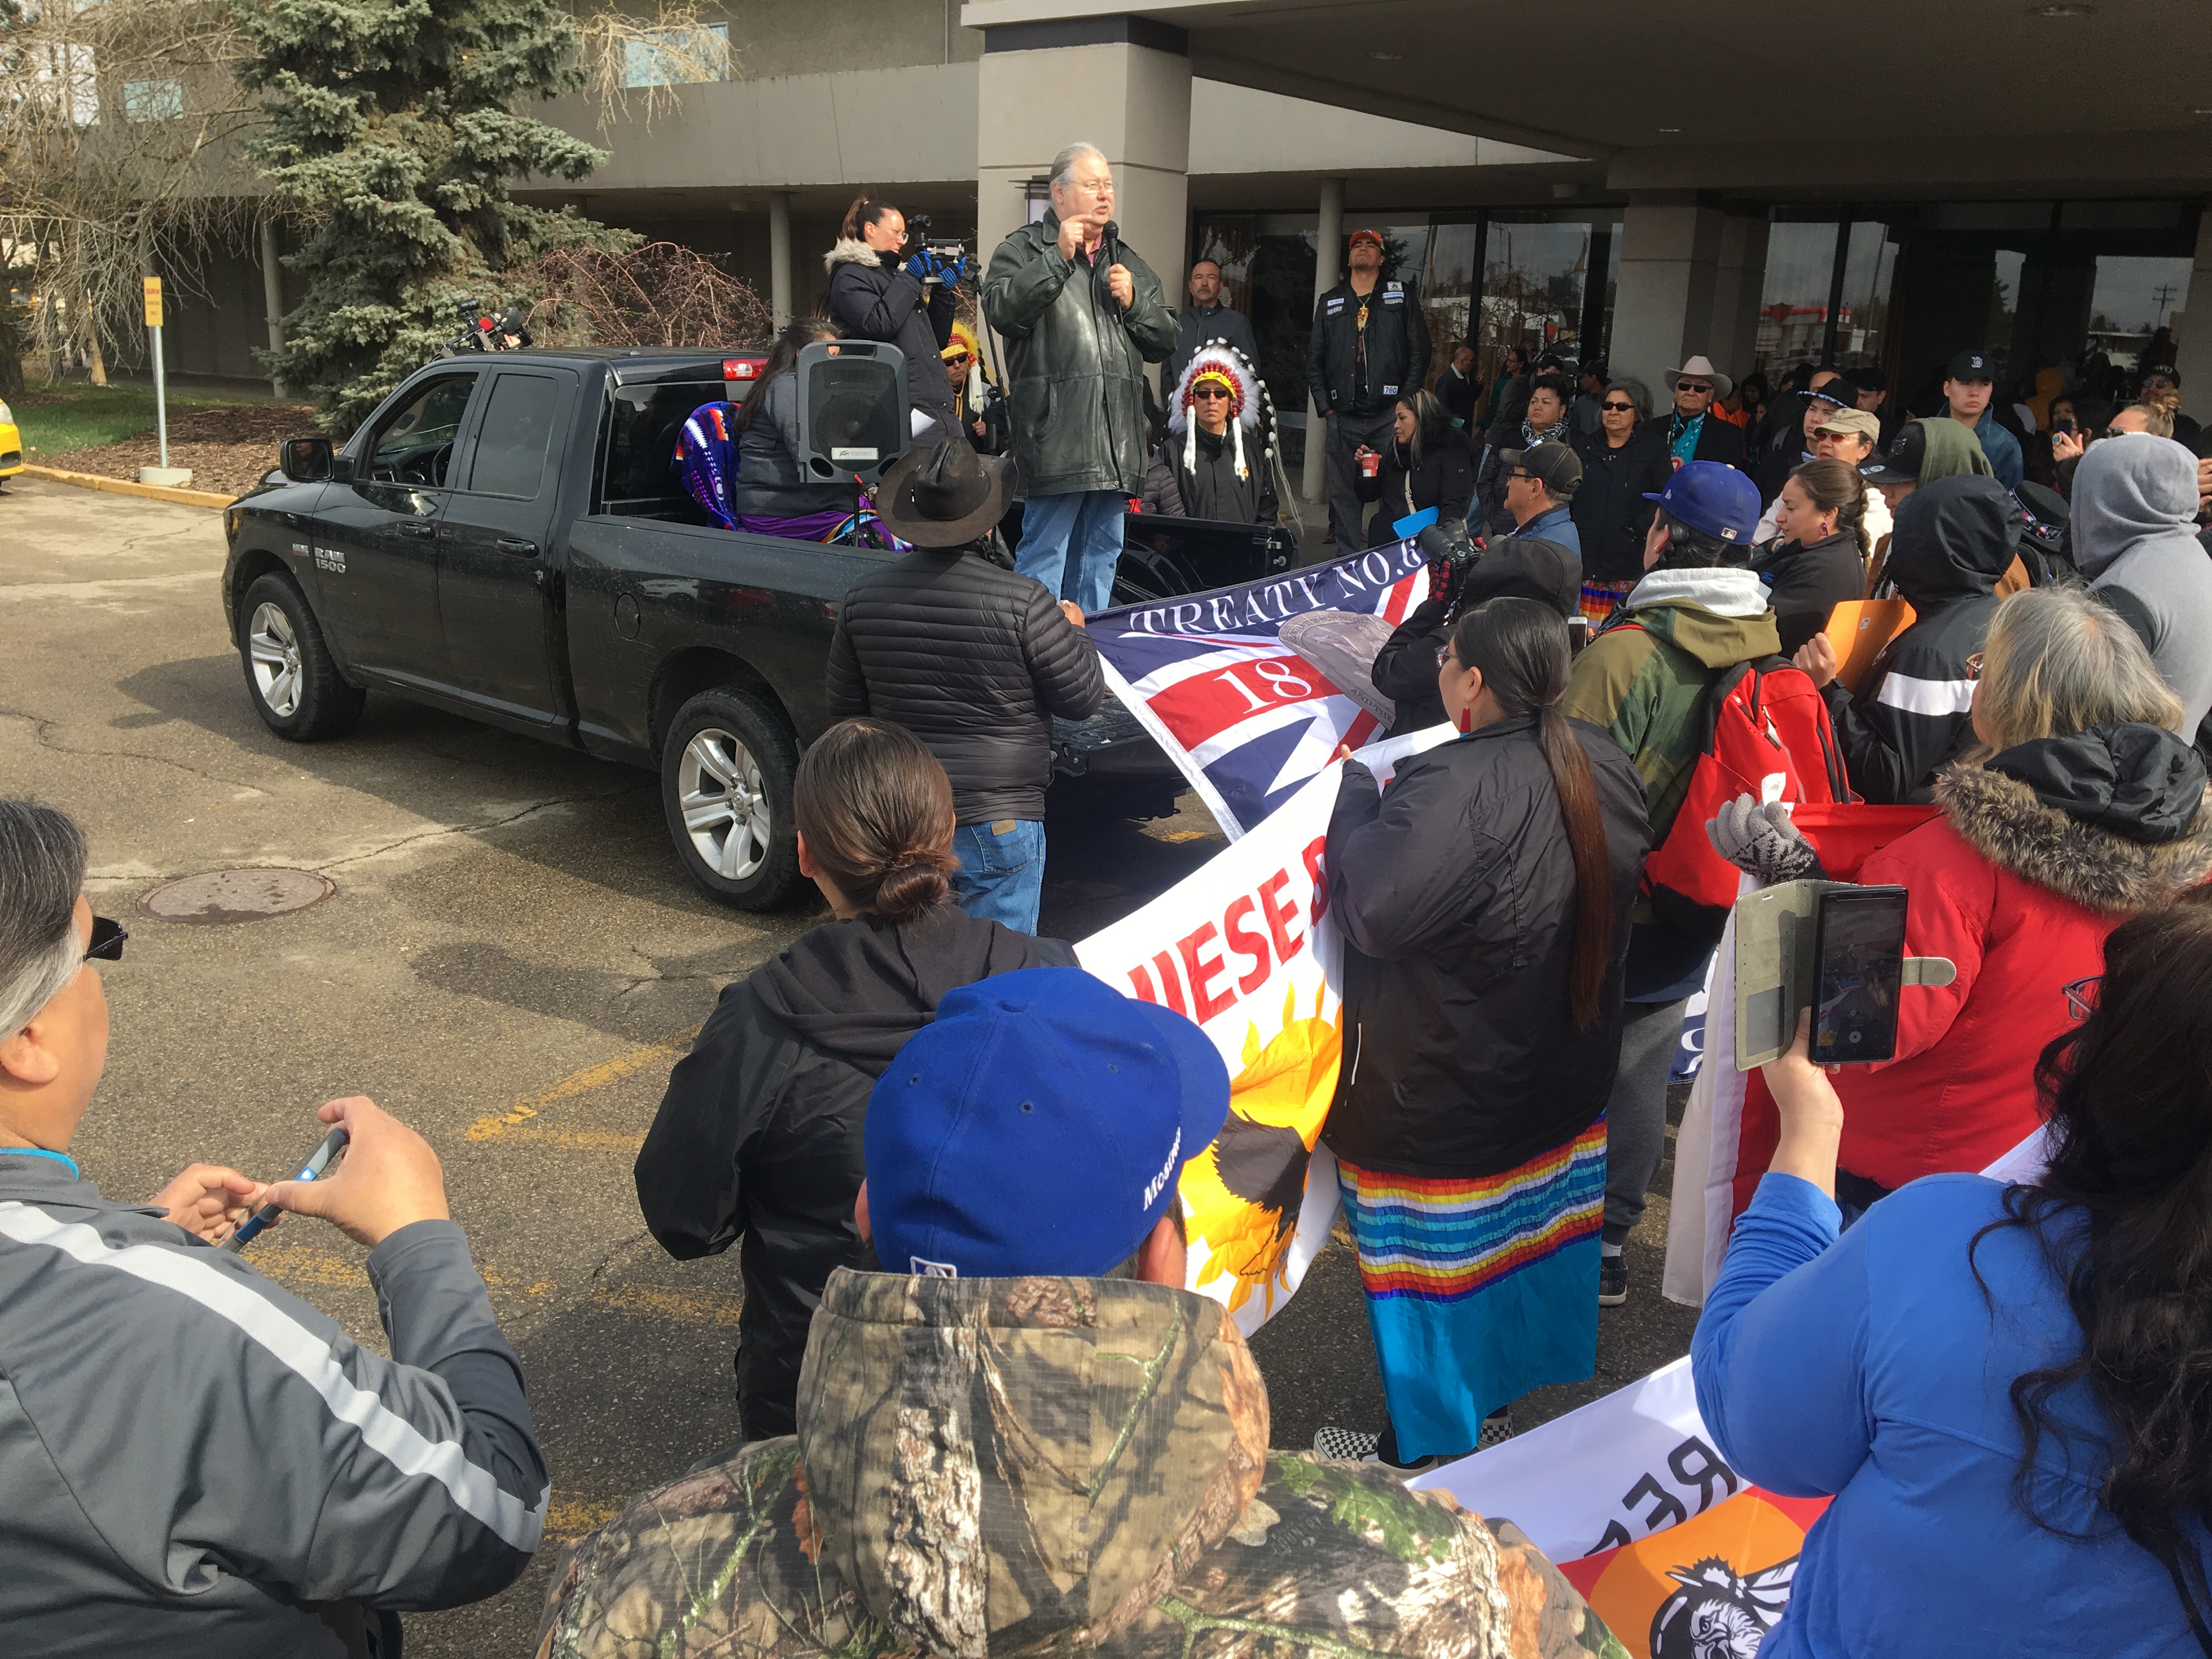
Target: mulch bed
229	448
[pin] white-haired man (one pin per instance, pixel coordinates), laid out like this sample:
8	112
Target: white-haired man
196	1463
1082	315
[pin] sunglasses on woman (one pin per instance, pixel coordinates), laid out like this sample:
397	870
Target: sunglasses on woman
1618	409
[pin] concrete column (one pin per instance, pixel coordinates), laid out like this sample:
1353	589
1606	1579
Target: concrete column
1739	280
778	256
1328	257
1121	83
272	296
1663	312
2193	339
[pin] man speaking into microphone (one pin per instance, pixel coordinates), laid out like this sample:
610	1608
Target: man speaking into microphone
1081	315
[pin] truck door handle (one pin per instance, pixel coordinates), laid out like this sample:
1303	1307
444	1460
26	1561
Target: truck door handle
516	546
421	530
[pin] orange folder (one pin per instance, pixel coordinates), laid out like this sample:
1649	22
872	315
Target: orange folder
1859	629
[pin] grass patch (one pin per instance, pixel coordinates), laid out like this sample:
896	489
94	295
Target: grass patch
56	419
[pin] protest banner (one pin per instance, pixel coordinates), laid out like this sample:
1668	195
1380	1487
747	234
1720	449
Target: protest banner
1245	717
1245	947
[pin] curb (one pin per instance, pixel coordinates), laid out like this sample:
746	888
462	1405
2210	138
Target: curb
127	487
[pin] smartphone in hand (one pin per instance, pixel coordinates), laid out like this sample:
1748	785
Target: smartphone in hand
318	1162
1859	973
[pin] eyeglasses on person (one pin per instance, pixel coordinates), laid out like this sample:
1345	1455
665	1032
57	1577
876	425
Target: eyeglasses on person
1210	393
107	939
2081	995
1098	189
1618	409
1697	387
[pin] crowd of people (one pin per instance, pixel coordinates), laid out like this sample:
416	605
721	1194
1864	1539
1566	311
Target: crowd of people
978	1410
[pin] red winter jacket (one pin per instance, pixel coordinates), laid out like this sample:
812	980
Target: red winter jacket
2019	894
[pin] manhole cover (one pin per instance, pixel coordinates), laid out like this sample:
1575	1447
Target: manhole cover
236	895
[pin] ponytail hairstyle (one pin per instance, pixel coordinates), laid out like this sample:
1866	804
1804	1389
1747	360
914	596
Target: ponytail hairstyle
1836	485
876	810
1520	645
782	359
865	211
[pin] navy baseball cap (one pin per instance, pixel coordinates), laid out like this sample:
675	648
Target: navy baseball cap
1969	366
1037	1125
1712	498
1902	464
1838	391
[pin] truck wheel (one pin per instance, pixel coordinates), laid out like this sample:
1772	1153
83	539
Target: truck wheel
296	689
726	775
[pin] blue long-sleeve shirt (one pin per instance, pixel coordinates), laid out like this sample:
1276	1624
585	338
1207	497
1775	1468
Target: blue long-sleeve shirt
1870	1368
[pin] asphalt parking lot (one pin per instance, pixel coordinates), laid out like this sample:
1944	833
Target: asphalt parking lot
510	959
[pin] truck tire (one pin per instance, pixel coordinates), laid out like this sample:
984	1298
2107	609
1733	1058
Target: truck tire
295	687
726	776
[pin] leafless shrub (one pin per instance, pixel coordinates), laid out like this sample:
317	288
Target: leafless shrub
660	295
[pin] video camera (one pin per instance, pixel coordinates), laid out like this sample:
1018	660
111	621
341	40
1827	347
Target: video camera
949	251
481	331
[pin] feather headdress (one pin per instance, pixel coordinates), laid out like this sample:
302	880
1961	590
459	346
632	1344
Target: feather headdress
1250	409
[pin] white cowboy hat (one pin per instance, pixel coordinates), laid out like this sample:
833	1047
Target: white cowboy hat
1701	367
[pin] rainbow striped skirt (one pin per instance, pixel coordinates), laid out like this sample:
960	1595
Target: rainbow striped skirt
1478	1289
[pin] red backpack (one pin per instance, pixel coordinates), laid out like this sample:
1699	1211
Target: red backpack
1764	732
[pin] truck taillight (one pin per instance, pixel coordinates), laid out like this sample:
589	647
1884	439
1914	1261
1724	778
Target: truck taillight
739	369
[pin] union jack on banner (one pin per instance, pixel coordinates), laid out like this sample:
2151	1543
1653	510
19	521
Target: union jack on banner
1246	718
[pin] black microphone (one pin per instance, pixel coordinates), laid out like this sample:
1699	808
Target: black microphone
1110	246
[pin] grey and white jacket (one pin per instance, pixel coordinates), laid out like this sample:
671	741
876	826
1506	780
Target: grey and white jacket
192	1457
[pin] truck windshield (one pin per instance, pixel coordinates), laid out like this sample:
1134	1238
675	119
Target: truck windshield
642	440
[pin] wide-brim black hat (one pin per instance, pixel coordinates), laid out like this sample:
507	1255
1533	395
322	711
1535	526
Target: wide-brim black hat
944	495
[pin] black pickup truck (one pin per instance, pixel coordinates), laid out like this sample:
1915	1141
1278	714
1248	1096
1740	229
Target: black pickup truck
505	537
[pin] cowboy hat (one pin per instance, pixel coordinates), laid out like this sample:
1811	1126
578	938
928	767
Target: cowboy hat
943	496
1700	367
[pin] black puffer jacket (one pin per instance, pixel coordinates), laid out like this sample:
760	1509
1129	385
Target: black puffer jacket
973	660
1611	514
1075	360
758	1137
870	301
1953	539
1808	580
1442	477
1457	893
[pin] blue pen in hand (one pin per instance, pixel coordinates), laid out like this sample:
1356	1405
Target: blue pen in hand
324	1155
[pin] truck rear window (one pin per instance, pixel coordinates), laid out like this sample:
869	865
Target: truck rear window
642	440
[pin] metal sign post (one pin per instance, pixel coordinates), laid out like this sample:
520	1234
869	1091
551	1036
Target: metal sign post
163	474
161	386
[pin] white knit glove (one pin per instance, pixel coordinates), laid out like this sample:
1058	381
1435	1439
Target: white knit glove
1758	837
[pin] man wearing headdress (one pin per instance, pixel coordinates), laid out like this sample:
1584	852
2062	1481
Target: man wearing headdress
1215	462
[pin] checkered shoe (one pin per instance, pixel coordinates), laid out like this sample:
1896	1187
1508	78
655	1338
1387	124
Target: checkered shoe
1497	1429
1346	1445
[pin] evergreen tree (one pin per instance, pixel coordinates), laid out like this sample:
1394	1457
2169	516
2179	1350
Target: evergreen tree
394	136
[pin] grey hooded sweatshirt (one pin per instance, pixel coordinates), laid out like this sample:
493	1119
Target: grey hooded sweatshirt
191	1458
2134	538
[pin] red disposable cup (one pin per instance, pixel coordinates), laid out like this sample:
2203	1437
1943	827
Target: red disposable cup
1370	464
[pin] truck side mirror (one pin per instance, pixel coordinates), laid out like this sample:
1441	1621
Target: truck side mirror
305	460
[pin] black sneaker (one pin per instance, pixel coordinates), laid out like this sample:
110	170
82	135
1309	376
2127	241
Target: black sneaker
1611	1281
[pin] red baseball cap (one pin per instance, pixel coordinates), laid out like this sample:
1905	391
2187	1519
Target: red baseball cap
1374	236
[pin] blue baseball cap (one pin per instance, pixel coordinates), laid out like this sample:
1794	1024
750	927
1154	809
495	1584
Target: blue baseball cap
1713	498
1037	1125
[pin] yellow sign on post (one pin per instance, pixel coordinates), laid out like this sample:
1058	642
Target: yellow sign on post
153	301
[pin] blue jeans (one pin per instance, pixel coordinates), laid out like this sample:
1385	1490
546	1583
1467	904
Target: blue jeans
1001	871
1087	524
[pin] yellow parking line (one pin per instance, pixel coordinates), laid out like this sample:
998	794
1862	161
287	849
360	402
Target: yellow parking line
576	1083
572	1514
301	1265
580	1140
685	1307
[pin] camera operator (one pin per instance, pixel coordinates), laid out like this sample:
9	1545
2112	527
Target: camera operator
1082	315
907	300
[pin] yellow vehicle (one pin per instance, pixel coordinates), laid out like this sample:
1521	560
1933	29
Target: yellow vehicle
11	444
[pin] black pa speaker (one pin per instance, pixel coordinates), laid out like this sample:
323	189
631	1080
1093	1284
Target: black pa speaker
851	409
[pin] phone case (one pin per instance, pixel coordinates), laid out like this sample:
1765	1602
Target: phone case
1777	931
